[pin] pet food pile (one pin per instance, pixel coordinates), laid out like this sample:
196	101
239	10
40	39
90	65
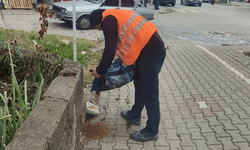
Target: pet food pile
95	130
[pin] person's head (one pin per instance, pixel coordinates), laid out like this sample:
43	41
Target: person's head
96	18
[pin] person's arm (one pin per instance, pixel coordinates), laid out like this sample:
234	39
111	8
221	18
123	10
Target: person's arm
110	31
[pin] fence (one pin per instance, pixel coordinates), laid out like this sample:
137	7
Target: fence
17	4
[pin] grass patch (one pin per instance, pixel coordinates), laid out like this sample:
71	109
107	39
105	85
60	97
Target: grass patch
59	44
128	124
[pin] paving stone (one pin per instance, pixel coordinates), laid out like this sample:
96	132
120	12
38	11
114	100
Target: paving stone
191	102
196	134
177	118
135	146
122	104
149	145
215	107
243	128
220	132
227	124
121	131
168	124
162	147
181	128
120	120
213	121
162	99
161	128
227	143
121	143
108	144
200	144
221	116
222	103
227	98
207	112
236	137
172	104
111	123
174	144
199	118
235	119
186	94
133	128
242	146
242	103
247	109
182	106
234	106
186	140
172	134
211	139
92	145
190	123
165	115
111	114
186	115
247	137
161	142
212	147
195	109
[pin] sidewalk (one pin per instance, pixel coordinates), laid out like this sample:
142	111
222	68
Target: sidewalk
204	95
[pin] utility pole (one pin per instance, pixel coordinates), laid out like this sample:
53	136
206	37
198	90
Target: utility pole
74	30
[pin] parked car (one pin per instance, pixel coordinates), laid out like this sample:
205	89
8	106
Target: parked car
64	10
207	1
165	2
191	2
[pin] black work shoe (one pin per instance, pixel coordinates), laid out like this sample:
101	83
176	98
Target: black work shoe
143	135
127	115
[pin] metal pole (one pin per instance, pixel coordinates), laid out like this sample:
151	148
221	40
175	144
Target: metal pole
74	30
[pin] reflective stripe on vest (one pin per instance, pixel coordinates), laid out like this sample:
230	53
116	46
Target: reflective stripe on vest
134	32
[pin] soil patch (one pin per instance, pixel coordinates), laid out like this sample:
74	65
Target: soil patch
95	130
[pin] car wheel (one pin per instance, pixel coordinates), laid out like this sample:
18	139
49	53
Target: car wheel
83	22
200	4
173	4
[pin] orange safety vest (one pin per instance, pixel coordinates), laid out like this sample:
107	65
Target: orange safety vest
134	32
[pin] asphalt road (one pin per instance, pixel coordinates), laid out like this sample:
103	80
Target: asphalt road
214	24
211	24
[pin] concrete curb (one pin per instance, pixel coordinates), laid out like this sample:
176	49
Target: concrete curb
56	121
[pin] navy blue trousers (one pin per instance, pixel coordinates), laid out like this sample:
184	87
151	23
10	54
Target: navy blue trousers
156	3
146	82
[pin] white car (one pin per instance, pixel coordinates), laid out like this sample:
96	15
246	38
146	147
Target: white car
64	10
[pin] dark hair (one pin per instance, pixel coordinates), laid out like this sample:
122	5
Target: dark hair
96	16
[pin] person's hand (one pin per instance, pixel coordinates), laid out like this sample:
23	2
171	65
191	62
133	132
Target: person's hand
95	74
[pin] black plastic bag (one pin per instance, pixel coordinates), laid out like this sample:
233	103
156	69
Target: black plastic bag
117	75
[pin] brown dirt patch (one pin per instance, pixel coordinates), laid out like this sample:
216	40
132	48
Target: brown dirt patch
95	130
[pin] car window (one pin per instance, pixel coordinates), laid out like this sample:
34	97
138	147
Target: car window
111	3
93	1
127	3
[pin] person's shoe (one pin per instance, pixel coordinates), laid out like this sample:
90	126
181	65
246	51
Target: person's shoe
127	115
143	135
